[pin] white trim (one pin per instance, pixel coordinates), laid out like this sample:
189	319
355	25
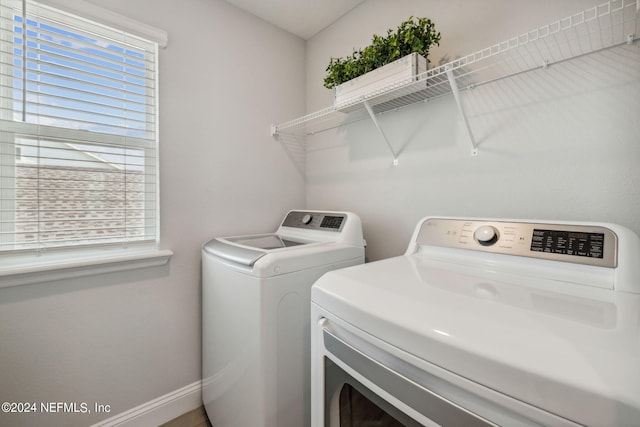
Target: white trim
46	268
158	411
104	16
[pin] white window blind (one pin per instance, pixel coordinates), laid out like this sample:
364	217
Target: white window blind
78	132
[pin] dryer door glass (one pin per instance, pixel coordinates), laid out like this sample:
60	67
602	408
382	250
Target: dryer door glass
350	404
357	410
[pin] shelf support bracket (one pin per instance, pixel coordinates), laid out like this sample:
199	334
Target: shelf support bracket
456	95
386	140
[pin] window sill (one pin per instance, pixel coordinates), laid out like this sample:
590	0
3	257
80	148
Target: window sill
47	270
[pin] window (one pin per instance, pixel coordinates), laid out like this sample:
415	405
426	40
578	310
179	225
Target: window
78	133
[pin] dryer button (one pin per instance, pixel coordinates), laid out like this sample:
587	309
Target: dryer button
486	235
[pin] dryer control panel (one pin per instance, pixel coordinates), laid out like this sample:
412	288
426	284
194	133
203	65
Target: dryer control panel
323	221
580	244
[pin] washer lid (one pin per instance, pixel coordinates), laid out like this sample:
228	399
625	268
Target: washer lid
246	250
237	254
265	241
572	355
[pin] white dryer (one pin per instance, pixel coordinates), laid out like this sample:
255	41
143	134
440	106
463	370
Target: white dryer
255	316
483	323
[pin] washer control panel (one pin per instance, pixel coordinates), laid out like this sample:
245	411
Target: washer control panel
581	244
323	221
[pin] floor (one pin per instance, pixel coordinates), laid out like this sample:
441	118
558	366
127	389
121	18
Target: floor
195	418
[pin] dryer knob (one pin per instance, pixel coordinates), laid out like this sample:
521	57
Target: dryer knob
486	235
306	219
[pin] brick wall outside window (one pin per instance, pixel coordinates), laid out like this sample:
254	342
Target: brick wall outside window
78	204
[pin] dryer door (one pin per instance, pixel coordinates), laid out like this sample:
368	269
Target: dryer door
350	403
361	380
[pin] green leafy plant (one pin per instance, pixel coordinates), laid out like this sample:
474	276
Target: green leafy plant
413	35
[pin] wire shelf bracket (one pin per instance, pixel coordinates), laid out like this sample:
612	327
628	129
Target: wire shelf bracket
456	95
372	114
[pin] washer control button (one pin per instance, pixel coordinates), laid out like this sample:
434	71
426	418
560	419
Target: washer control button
306	219
486	235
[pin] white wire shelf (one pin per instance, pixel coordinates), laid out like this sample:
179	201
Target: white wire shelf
610	24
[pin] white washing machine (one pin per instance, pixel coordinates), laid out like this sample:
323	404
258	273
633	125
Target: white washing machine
483	323
255	316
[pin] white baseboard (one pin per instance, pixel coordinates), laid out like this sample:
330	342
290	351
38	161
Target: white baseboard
158	411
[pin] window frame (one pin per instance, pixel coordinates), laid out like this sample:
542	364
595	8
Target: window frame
18	267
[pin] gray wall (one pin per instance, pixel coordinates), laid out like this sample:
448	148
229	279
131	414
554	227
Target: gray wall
125	339
560	143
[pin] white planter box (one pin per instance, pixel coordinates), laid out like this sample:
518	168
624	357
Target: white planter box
404	70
